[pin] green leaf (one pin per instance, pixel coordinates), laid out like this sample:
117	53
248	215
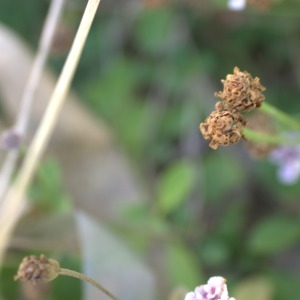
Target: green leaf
175	185
273	235
65	287
153	29
214	252
286	284
223	173
47	190
111	94
182	266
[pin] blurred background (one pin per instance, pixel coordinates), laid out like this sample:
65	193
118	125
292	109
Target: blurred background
138	200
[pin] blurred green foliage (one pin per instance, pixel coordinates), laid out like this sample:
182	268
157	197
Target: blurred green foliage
175	183
215	212
47	192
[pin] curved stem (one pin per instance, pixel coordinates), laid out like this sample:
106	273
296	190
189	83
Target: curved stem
269	139
87	279
280	116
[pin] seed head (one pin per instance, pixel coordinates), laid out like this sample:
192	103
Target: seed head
241	92
37	270
223	128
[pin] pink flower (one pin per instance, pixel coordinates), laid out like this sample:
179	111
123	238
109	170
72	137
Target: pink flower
215	289
10	139
288	160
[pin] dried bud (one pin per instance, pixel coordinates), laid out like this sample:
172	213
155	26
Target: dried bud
37	270
241	92
223	128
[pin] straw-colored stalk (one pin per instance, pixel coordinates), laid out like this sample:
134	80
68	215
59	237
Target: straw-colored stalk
14	200
27	99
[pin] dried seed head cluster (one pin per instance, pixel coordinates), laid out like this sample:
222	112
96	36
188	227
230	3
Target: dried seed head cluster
241	93
223	128
37	270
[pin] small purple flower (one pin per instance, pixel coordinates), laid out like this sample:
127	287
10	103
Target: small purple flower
10	139
215	289
288	160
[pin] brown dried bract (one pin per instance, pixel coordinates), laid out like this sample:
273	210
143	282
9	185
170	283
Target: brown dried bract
241	92
223	128
36	270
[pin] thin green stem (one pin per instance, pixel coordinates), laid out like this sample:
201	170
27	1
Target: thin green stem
90	280
280	116
269	139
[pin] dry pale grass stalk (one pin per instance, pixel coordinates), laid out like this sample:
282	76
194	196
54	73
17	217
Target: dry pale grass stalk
26	102
14	200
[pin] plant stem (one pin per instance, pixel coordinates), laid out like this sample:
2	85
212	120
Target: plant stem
39	62
280	116
87	279
269	139
14	201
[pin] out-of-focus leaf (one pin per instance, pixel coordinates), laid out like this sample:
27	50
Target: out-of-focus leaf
273	235
232	221
8	287
111	94
175	184
182	266
65	287
214	252
153	29
286	284
222	174
258	288
145	226
47	191
132	127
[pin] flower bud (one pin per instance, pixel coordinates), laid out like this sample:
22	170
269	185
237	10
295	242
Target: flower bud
223	128
37	270
241	92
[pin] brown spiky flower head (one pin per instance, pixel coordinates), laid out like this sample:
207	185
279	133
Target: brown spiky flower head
241	92
37	270
223	128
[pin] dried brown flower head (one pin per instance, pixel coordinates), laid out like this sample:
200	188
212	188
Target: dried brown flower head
37	270
43	269
223	128
241	92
